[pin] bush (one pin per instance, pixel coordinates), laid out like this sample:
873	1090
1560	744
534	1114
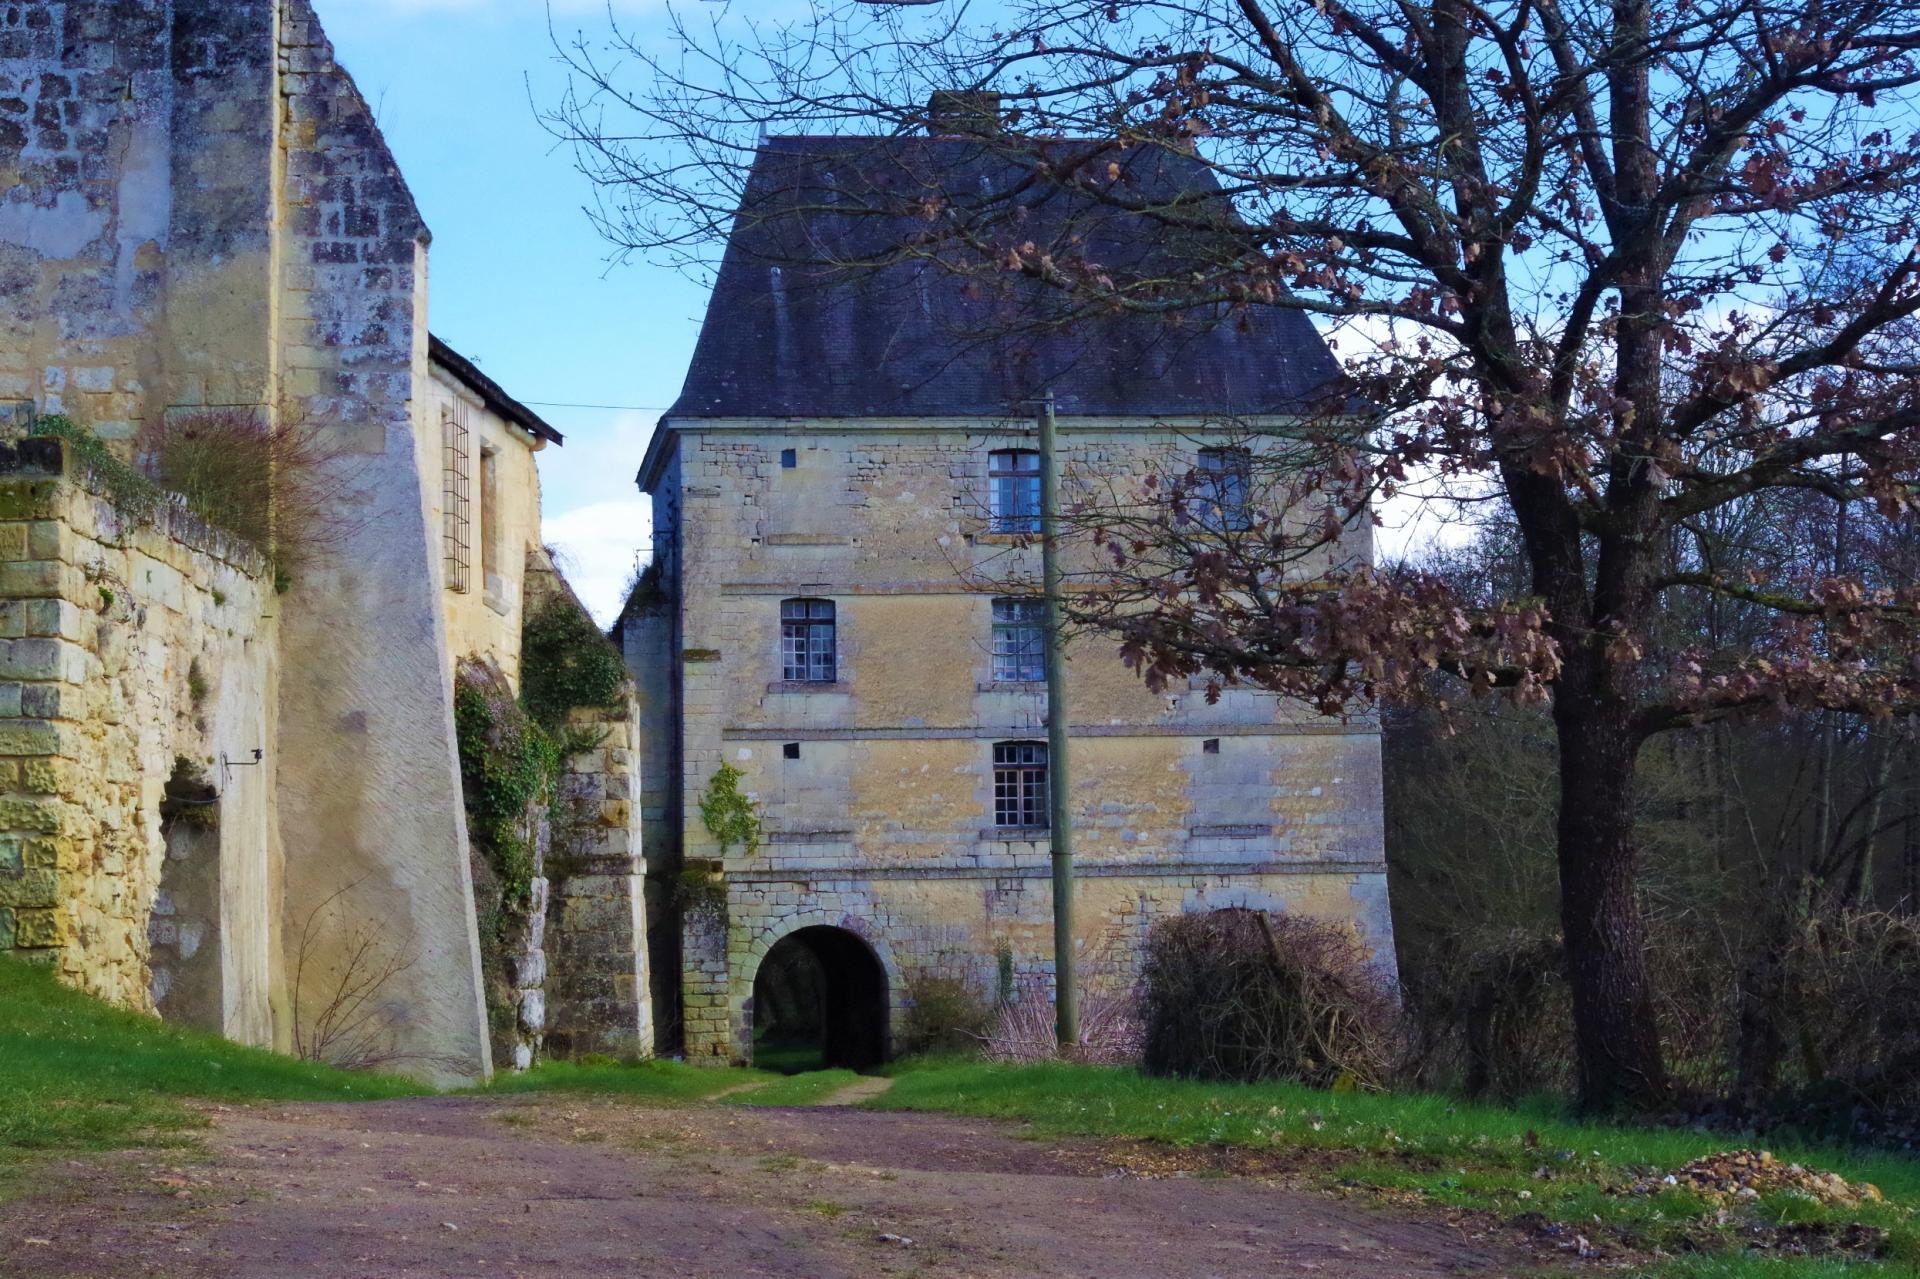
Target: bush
1851	1017
277	488
1239	995
1023	1028
566	663
1516	1018
944	1015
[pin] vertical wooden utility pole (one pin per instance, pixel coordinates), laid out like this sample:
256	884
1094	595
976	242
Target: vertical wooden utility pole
1059	811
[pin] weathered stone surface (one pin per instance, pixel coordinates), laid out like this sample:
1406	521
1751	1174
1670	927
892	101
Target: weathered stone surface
876	789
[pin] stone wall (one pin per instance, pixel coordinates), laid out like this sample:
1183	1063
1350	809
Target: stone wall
370	797
197	209
135	649
876	790
597	994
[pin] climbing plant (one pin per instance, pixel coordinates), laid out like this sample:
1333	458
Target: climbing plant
731	816
508	765
567	663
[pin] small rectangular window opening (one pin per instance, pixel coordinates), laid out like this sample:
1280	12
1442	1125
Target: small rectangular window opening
1020	785
789	459
1020	641
808	642
1211	746
1013	491
791	750
456	496
1225	475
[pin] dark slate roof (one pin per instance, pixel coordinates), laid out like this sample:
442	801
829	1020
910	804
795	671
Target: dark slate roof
490	392
817	313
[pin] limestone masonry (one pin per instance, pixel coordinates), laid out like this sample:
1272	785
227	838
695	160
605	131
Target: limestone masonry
233	786
842	608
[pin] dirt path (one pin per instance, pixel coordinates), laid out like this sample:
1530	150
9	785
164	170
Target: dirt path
554	1188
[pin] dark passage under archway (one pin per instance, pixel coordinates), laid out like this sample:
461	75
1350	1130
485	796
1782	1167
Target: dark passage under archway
819	1002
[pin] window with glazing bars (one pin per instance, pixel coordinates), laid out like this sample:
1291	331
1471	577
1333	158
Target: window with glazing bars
1013	491
456	496
1020	640
1020	784
1223	481
807	642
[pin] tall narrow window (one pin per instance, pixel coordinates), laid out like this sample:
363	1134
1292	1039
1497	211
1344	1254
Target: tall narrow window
1020	641
1020	784
491	542
456	454
1222	488
807	642
1013	491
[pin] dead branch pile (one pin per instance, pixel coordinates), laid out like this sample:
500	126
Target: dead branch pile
1239	994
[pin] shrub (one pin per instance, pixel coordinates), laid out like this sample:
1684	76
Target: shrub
276	487
566	662
1851	1021
1237	995
944	1015
1515	1016
1024	1027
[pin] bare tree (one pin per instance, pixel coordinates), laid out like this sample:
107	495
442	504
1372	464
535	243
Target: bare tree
1613	265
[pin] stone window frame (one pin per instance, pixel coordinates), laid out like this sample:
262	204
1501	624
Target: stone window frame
1019	649
1224	479
1022	782
1014	491
809	641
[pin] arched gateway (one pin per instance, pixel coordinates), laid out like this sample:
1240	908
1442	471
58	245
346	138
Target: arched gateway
819	1002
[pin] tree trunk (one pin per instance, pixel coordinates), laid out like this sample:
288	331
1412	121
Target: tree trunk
1615	1034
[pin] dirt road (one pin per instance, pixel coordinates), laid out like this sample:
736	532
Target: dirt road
557	1188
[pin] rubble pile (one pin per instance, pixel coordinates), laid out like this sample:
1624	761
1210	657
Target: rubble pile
1748	1174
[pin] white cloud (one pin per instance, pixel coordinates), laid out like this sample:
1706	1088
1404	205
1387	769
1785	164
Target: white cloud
598	547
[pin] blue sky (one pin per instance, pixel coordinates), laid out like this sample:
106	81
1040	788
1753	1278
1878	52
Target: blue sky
522	283
520	280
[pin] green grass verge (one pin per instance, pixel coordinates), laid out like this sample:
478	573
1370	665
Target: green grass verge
1440	1150
76	1075
798	1090
661	1080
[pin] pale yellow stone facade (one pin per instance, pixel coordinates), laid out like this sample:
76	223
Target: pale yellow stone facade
876	790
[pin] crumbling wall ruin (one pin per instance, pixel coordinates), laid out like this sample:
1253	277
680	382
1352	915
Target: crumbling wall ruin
139	648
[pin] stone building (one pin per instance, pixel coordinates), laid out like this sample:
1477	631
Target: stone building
232	788
848	470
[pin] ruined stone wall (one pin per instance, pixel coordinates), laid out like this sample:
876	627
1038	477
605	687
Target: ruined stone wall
593	991
598	995
136	195
136	649
370	795
197	209
876	790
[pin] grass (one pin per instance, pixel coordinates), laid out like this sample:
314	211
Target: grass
669	1081
79	1076
76	1075
798	1090
1508	1160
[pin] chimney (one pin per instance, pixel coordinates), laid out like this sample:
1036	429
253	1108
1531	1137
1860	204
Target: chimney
969	112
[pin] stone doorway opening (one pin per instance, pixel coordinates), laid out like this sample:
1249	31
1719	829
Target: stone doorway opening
820	1003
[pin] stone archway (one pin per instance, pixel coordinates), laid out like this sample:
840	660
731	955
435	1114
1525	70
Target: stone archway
820	1001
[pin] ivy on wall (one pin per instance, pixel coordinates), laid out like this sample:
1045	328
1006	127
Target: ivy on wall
729	814
566	663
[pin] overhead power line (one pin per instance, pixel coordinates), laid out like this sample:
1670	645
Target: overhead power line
613	408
